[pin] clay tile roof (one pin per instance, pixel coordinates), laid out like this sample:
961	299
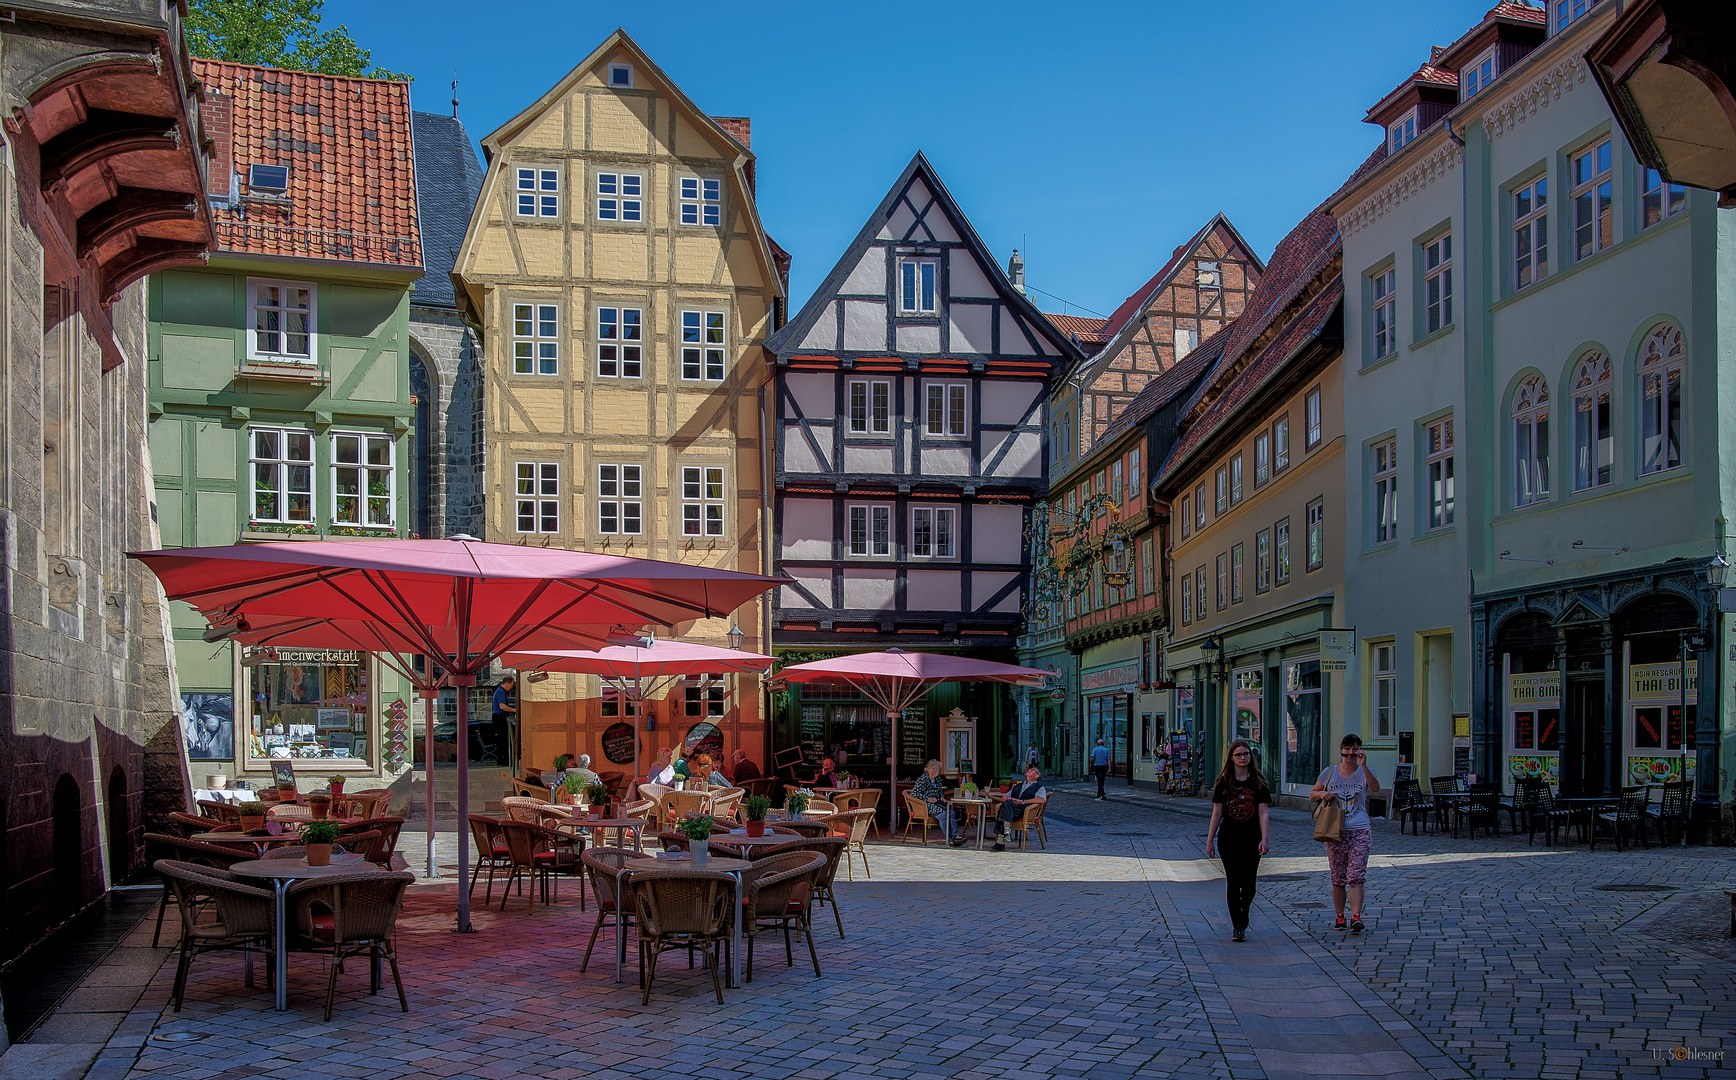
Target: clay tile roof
1135	303
1428	73
1090	331
1162	390
347	142
1510	9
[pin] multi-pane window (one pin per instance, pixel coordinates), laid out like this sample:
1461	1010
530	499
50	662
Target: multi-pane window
1383	472
362	479
281	460
1221	482
1568	10
620	342
536	346
932	529
1200	593
1438	283
870	407
537	496
946	412
1382	312
1262	458
870	530
1438	471
620	196
703	695
1531	442
916	286
702	345
1262	560
1117	490
539	193
1200	507
1133	480
701	500
1186	599
1186	517
1477	74
1385	690
1281	552
1102	509
1147	567
701	201
1311	413
1593	211
1236	574
1316	535
1531	232
1402	131
1223	567
1593	438
1236	479
283	320
620	500
1660	201
1281	444
1661	359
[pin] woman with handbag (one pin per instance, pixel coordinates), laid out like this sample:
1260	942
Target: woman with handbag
1239	830
1345	787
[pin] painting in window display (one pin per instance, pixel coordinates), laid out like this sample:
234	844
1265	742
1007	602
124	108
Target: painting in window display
311	704
208	725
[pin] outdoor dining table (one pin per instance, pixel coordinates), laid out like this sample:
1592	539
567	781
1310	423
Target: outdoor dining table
260	843
1587	807
603	825
281	872
983	803
732	867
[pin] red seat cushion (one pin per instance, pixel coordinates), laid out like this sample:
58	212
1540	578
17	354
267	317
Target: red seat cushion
324	926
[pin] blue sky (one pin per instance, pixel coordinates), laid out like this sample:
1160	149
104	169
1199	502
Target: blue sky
1095	136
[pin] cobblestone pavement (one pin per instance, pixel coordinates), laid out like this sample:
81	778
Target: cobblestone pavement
1107	956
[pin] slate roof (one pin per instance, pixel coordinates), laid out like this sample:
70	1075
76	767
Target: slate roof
448	183
352	188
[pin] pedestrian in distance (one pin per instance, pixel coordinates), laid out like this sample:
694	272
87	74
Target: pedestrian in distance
1031	755
1239	832
1100	766
1349	782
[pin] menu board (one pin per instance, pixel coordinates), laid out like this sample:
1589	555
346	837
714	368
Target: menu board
618	743
813	734
913	741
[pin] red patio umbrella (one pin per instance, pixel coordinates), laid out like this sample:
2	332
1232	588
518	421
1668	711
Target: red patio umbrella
457	603
894	679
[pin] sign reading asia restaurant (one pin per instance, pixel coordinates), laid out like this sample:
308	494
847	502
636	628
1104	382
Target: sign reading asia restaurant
1109	678
1662	681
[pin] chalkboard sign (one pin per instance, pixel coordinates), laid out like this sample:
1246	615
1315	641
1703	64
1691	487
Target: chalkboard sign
1462	760
618	743
703	738
282	772
913	741
813	734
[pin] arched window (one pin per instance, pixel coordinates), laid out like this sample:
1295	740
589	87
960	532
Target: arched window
1593	439
1531	442
1661	363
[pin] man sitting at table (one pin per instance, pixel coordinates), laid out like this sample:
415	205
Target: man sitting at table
1013	806
929	791
743	768
582	766
828	775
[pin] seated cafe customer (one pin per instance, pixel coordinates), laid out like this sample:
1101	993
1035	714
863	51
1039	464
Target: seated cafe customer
702	769
744	769
928	790
1013	806
828	775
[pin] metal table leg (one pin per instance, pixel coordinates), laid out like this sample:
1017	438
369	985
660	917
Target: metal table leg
620	924
735	943
281	887
982	823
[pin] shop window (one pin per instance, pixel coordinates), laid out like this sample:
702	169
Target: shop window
311	704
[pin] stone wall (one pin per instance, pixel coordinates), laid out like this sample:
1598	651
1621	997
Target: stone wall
453	353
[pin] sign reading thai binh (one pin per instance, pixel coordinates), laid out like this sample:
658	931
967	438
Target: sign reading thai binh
1662	681
1535	688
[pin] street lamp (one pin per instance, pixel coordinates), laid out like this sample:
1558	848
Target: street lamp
736	637
1717	570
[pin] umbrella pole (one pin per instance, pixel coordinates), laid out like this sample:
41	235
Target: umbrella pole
430	710
892	769
462	684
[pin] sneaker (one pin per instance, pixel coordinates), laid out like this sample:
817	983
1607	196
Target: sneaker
1239	935
998	846
1339	925
1355	923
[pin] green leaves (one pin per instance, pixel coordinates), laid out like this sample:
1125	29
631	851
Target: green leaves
280	34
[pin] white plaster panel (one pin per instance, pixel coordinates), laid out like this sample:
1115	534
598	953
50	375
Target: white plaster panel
807	529
824	335
918	193
940	226
1025	458
868	459
973	328
922	338
968	278
871	590
815	393
946	460
869	275
997	534
799	457
816	580
933	590
898	222
1013	341
1008	402
983	586
864	325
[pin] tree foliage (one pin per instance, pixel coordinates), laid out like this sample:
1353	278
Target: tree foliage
280	34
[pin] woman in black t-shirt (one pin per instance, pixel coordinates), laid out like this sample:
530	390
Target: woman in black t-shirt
1238	829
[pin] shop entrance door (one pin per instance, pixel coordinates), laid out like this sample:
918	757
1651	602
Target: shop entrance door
1583	750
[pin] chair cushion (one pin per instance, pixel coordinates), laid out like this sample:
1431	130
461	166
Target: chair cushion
324	926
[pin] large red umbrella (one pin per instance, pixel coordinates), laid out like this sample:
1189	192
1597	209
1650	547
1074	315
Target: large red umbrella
894	679
457	603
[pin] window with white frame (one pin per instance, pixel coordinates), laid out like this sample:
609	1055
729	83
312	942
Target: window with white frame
1438	283
1200	507
1316	535
870	407
1661	365
870	529
1401	131
1223	567
1236	479
701	201
1133	479
537	496
1476	75
620	500
1531	232
1383	478
1280	444
1262	560
703	695
1593	437
1311	414
1147	567
1221	482
536	346
1531	442
621	76
1200	594
1438	471
362	479
1593	210
932	532
1660	201
539	193
1385	690
701	500
1566	11
1236	574
283	321
1186	599
620	196
1382	312
946	413
620	343
1281	552
702	346
1262	458
281	462
1117	488
917	286
1185	516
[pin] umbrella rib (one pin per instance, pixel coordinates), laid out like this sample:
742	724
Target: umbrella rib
703	608
394	599
502	645
284	582
513	623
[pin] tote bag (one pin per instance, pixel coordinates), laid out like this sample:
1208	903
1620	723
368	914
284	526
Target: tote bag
1329	821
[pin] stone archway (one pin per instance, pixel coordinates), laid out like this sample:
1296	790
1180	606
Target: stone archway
67	848
120	833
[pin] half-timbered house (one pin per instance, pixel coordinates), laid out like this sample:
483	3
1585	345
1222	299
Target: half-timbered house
910	410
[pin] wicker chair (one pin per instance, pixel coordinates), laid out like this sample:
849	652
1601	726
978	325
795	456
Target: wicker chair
492	852
221	811
185	825
916	813
832	847
382	801
290	812
727	803
546	854
681	909
810	829
246	916
602	865
1030	823
384	851
523	808
161	847
676	805
852	826
782	896
655	793
867	798
353	915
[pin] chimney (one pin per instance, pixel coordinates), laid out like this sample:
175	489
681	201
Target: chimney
217	115
1016	271
741	127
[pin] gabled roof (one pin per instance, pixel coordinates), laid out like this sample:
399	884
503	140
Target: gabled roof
352	186
784	341
1427	75
448	182
1166	387
1530	19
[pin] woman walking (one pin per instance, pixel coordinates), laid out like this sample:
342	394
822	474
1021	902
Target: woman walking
1349	782
1238	829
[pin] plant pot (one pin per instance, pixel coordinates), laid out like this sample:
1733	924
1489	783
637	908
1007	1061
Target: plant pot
756	828
1006	788
596	815
216	781
338	788
321	810
252	824
698	852
319	854
286	794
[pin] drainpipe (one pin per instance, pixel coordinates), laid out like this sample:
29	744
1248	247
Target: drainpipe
766	569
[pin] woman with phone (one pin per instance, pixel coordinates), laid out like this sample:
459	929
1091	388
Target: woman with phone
1349	782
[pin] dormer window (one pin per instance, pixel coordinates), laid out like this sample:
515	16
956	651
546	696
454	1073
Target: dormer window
1477	74
1401	131
1566	11
268	179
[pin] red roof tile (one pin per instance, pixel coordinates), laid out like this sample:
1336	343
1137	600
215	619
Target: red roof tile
1085	329
1137	302
1160	391
352	187
1511	9
1428	73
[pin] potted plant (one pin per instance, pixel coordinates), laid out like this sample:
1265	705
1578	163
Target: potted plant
845	780
337	783
698	833
796	802
597	795
286	793
571	785
321	805
1006	786
252	816
317	837
754	808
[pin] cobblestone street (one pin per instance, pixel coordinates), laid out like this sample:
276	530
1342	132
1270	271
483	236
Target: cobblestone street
1108	956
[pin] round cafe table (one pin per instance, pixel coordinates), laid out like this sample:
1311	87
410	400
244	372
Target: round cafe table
732	867
280	872
260	843
621	826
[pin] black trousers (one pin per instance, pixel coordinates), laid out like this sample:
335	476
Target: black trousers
1102	772
1241	869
